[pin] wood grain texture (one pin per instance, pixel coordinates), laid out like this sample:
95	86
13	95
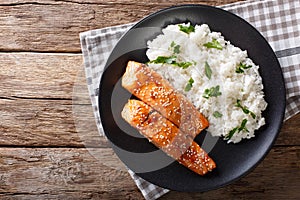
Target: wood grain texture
49	145
36	75
54	26
47	123
75	174
57	173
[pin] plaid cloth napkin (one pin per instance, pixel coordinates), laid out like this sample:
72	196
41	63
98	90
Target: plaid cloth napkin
279	23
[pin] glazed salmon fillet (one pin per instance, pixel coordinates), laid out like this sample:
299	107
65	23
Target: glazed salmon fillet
154	90
167	136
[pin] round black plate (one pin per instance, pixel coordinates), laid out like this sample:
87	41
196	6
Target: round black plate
233	160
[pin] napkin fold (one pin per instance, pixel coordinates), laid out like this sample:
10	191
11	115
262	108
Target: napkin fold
277	20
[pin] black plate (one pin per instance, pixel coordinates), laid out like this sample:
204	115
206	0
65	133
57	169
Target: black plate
233	160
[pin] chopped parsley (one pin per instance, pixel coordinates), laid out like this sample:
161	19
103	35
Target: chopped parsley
243	126
244	108
213	44
175	48
189	85
240	128
241	68
231	133
171	60
186	29
212	92
172	44
164	59
184	65
208	71
217	114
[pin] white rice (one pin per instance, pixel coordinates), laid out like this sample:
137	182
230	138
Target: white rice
246	87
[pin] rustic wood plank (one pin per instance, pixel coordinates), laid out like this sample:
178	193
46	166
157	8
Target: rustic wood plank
60	173
54	26
75	174
29	122
37	75
289	134
112	2
42	105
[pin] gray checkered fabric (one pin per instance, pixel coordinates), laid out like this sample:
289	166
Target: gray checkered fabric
278	21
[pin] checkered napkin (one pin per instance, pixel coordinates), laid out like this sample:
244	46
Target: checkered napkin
279	23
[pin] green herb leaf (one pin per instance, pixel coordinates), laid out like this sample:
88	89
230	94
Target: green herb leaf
184	65
252	115
243	126
176	49
231	133
206	93
217	114
208	71
172	44
241	68
186	29
171	60
244	108
240	128
212	92
213	44
238	103
164	59
215	92
189	85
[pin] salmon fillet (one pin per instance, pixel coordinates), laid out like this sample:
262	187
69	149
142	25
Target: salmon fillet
166	136
154	90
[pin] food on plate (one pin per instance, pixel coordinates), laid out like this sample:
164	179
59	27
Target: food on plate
167	136
154	90
194	80
165	117
218	78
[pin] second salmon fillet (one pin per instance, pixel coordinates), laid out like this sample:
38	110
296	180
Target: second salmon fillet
154	90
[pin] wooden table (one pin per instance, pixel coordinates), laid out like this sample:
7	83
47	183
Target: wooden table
43	141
